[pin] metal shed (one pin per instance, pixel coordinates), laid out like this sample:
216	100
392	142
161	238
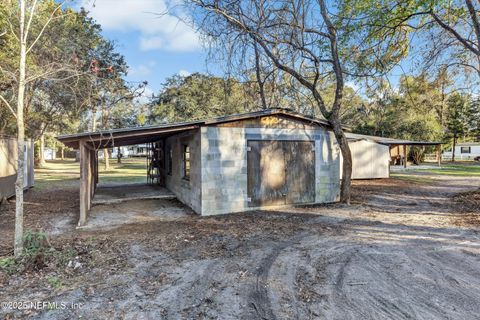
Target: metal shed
372	155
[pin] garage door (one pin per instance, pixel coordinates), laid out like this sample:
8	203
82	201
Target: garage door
280	172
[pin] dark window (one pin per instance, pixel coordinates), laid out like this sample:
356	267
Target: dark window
464	149
170	161
186	162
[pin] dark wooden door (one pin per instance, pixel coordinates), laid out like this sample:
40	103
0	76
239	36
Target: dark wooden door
300	177
266	173
280	172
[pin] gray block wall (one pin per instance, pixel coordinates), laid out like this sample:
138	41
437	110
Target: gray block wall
224	165
187	191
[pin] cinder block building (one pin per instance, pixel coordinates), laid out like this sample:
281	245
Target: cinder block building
235	163
273	157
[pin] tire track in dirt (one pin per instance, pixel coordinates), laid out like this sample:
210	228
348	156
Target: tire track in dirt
260	296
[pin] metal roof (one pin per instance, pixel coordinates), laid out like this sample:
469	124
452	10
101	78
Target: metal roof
136	135
388	141
468	144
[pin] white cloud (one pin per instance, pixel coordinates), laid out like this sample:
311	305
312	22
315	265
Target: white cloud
157	29
353	85
184	73
142	70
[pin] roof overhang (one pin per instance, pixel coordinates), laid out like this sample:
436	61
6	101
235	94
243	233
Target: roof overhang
389	141
125	137
138	135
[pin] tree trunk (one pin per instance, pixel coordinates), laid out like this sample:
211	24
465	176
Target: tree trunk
106	157
18	243
41	152
62	152
345	190
453	148
119	155
94	119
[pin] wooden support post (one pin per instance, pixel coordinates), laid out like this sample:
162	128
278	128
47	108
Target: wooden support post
83	184
96	168
90	178
404	155
439	154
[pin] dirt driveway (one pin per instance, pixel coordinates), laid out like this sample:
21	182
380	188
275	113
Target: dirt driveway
400	251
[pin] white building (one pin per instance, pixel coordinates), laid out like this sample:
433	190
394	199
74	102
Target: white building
464	151
139	150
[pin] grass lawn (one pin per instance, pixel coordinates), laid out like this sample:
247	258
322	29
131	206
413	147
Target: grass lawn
455	169
65	173
411	178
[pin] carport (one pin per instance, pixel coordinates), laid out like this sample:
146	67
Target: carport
91	142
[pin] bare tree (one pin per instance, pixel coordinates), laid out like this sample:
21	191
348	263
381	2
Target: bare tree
460	33
299	38
23	14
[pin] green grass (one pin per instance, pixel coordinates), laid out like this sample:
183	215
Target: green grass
455	170
411	178
66	173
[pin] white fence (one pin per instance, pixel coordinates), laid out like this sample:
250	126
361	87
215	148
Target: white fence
431	157
459	157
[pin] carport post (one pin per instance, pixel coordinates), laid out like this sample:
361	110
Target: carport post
83	183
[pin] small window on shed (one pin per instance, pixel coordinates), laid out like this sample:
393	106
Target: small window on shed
186	162
465	150
170	161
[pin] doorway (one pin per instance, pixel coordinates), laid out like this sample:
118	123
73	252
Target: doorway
280	172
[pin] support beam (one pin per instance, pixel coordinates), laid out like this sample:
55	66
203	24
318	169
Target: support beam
83	183
90	178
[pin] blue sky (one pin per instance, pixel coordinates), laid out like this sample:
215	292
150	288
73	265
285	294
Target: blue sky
155	46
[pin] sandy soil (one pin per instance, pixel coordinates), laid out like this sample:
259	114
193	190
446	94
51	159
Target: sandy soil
402	250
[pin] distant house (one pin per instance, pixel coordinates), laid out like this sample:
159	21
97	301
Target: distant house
49	154
242	162
139	150
8	166
113	152
464	151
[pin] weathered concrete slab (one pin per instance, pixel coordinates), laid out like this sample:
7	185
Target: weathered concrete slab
110	194
112	215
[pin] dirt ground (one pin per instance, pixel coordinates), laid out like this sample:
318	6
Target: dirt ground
402	250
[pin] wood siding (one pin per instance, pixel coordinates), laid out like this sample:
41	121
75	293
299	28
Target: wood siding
274	121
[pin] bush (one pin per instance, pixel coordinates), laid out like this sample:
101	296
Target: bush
8	265
35	241
36	246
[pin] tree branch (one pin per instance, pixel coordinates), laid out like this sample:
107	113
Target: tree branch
44	27
449	29
9	106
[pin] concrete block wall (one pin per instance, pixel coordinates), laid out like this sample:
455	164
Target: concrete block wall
224	165
224	170
187	191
